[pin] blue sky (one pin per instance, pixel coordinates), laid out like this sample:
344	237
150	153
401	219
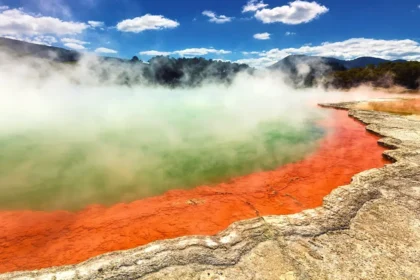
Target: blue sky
256	32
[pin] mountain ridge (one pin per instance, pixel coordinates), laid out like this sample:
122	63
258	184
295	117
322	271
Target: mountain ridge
66	55
359	62
296	70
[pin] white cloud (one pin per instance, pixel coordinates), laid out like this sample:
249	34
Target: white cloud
43	40
75	46
295	13
146	22
262	36
260	62
74	41
96	24
39	40
253	5
213	17
200	52
187	52
18	23
105	50
358	47
288	33
222	60
154	53
348	49
4	8
250	53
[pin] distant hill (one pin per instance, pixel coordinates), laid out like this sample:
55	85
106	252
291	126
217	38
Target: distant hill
297	70
385	75
21	48
334	63
160	70
293	61
305	71
362	62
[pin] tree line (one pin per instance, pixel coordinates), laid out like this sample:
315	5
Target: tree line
188	72
405	74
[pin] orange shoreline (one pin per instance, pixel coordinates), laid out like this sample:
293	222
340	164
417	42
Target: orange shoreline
33	240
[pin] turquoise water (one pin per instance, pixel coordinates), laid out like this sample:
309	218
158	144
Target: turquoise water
74	163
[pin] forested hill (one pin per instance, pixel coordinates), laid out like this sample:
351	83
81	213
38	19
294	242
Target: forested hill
191	71
292	61
307	71
405	74
20	49
298	70
161	70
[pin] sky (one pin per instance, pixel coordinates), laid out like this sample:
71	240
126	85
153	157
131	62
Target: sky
256	32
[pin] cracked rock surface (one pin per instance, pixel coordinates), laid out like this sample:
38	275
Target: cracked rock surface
369	229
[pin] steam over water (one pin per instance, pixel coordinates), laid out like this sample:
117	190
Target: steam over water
67	144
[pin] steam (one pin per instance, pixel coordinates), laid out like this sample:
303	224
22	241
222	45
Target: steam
73	134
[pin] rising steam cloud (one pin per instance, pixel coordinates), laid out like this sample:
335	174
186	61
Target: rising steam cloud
73	134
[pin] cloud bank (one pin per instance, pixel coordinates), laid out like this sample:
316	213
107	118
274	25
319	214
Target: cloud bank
348	49
17	22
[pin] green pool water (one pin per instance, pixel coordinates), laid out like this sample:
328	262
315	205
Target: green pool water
71	164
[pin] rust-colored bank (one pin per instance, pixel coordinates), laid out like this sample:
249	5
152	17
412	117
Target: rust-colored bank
33	240
402	106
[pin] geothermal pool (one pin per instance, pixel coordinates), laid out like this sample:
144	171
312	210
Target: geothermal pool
89	166
69	165
320	156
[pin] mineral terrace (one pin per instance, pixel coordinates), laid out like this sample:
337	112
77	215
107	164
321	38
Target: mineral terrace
369	229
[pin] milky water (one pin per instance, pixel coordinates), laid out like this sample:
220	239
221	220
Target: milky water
69	140
75	162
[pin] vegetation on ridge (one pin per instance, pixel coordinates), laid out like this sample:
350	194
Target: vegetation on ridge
405	74
296	70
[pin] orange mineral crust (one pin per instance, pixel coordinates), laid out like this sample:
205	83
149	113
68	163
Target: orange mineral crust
403	106
33	240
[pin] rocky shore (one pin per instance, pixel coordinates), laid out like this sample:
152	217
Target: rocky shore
369	229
